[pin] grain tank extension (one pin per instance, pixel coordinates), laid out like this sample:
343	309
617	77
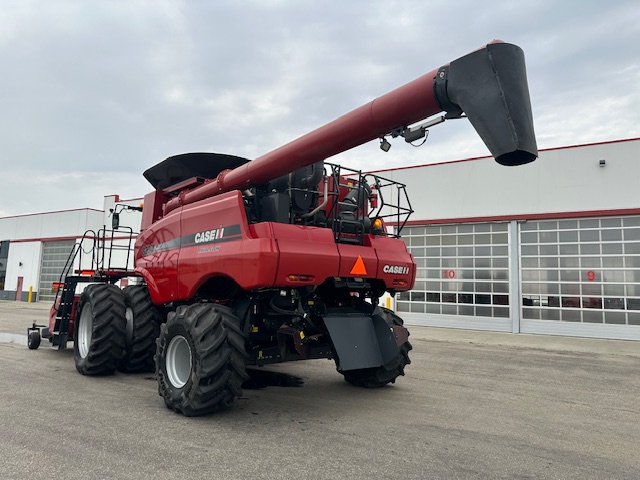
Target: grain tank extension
285	257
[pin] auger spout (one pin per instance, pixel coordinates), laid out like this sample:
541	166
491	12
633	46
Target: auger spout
489	85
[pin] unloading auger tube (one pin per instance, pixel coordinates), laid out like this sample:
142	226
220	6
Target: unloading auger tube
489	85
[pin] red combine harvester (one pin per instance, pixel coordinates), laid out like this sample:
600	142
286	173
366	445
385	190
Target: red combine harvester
285	257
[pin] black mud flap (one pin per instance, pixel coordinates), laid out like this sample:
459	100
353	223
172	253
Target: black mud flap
361	341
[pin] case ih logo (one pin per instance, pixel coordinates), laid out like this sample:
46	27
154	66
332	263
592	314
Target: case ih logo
209	235
395	269
222	234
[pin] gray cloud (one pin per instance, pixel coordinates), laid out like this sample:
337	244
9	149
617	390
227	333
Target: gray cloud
94	93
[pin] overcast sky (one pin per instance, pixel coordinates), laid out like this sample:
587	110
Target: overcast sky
95	92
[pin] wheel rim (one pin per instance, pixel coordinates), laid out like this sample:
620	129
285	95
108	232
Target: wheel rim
178	361
85	328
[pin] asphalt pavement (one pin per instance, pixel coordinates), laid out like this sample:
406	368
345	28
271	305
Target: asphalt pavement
472	405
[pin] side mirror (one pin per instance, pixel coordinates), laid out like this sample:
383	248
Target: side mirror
115	220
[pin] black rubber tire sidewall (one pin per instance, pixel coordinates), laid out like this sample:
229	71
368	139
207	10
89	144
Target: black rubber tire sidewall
172	395
33	341
218	359
107	346
146	320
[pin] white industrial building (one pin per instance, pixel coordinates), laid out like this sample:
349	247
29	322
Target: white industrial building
552	247
34	249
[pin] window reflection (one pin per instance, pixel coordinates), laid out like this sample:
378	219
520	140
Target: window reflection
633	303
591	302
614	303
571	302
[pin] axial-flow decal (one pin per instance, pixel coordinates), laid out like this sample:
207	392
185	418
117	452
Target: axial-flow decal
215	235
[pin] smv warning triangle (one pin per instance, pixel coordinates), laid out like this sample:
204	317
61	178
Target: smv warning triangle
358	267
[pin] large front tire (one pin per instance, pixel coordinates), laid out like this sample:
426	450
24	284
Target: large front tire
143	328
99	330
201	359
385	374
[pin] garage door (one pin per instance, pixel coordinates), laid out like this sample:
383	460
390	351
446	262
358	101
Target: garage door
54	258
462	276
581	277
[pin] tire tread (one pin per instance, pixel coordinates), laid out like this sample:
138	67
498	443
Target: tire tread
107	347
219	357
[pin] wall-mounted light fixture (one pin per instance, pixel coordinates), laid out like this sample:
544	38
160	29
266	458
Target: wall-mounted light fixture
602	162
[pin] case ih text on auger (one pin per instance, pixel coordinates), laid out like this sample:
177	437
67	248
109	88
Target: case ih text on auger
285	257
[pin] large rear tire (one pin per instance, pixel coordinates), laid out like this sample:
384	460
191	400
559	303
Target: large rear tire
385	374
143	328
99	331
201	359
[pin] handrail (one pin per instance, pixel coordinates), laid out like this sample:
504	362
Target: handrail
100	253
77	248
